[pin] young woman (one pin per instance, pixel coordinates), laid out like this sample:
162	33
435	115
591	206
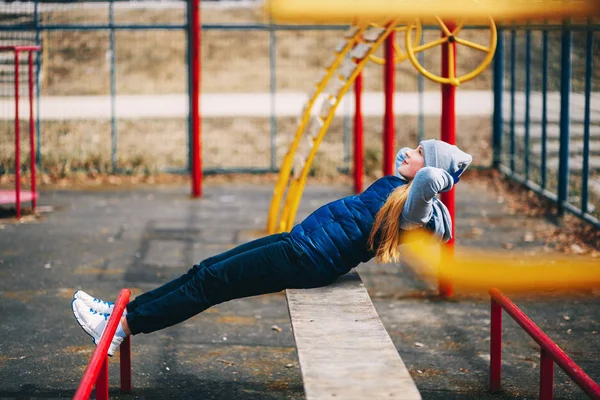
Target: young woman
328	243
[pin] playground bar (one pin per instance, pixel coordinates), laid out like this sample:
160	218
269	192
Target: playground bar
565	121
17	50
550	351
194	81
97	369
388	123
358	136
589	42
448	134
31	134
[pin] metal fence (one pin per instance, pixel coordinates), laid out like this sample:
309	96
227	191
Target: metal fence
112	88
547	113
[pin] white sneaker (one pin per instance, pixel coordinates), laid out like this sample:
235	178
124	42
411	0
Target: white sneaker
101	306
93	323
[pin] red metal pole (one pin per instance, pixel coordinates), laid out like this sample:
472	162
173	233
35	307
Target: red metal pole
358	136
125	364
17	137
195	109
448	133
93	370
495	346
546	375
32	134
102	381
591	388
388	123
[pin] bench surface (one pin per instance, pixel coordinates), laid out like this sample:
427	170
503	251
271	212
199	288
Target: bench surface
343	348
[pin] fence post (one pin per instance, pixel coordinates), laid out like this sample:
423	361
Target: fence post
513	62
544	105
565	116
527	99
31	134
546	375
498	98
495	346
273	90
113	87
589	64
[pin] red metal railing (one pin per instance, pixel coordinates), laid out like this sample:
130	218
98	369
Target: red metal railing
550	352
17	50
96	372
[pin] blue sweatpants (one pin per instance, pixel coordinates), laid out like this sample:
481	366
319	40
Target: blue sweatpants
267	265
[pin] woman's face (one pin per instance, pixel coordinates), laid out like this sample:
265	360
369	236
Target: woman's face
412	163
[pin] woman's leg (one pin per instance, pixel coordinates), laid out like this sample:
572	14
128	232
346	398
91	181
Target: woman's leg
182	280
266	269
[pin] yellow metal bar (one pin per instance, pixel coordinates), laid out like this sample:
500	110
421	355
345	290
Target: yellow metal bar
378	11
292	203
286	167
472	45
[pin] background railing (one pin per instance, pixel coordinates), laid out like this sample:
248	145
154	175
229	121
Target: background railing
547	113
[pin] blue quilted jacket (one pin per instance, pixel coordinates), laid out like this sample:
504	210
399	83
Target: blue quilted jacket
336	234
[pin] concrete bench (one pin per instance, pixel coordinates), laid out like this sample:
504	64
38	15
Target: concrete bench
344	350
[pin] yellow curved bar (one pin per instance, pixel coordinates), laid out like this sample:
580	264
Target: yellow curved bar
477	270
400	55
452	79
286	166
292	203
377	11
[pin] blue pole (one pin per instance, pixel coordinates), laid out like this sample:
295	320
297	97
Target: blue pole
544	104
589	43
565	116
527	98
513	58
113	88
498	95
38	125
273	89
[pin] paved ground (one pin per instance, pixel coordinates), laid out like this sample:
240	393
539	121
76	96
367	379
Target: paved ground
102	241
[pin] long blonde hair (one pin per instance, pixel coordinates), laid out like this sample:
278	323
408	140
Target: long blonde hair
387	221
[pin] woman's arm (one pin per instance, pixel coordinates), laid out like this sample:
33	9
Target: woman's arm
418	209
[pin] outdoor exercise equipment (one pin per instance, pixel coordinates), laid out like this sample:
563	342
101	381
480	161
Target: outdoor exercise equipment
351	55
365	35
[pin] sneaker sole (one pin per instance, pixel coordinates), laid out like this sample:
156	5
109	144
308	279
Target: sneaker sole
86	328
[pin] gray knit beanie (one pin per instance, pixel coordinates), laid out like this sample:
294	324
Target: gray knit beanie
442	155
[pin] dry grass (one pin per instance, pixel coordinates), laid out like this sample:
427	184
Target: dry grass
232	61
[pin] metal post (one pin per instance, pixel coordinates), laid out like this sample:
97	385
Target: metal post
565	119
546	375
358	136
495	346
544	104
38	57
513	62
32	134
273	90
125	365
498	99
421	84
113	88
589	65
388	121
448	135
17	138
527	98
195	122
102	381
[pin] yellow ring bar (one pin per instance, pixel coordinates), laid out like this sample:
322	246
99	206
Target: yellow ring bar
375	11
